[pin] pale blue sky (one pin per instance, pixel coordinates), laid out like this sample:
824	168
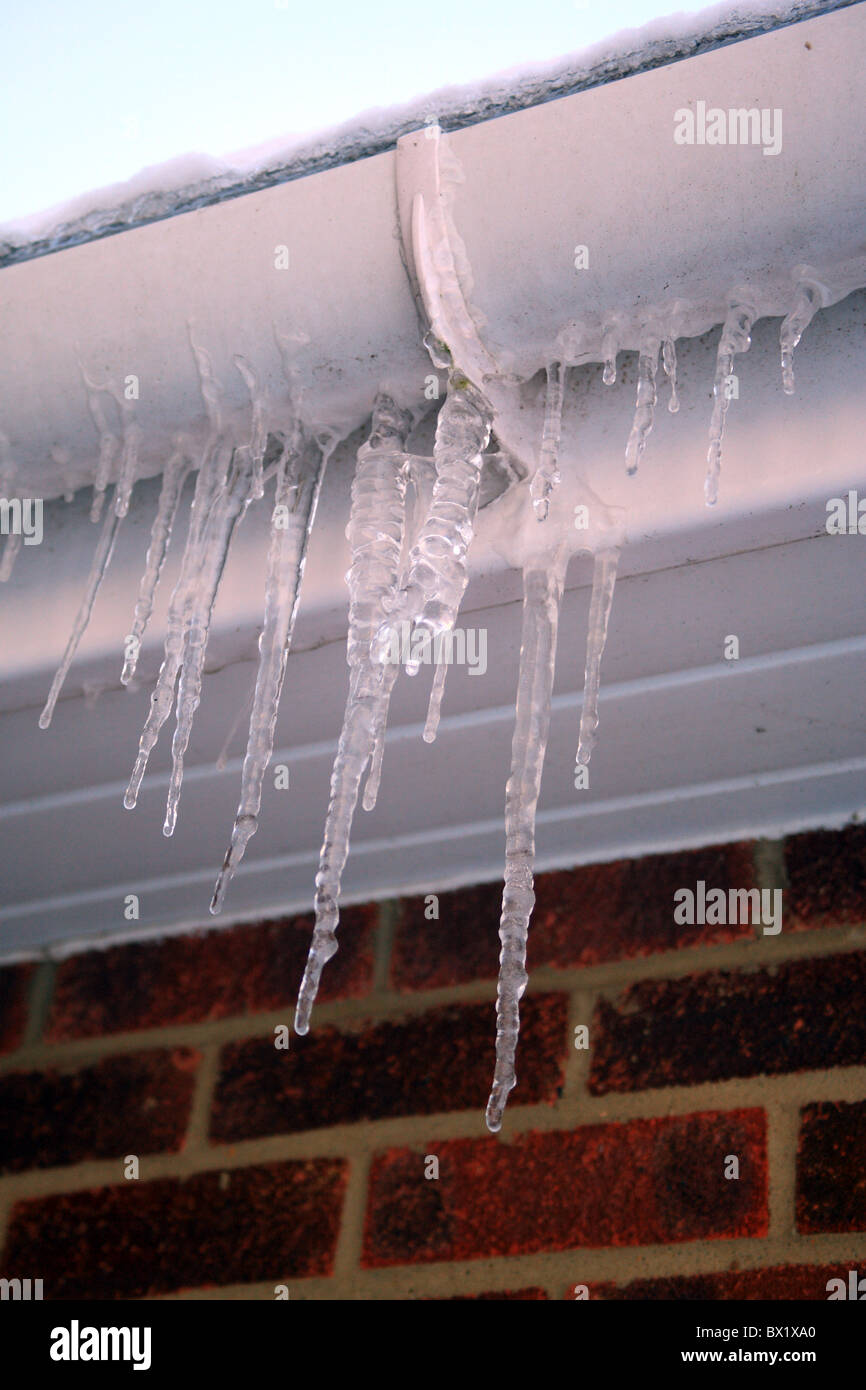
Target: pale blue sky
94	91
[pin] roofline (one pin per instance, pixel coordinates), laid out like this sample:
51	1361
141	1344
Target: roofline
348	143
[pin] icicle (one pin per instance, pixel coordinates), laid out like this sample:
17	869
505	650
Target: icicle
437	563
380	724
542	592
209	482
375	531
128	470
108	443
101	561
8	476
162	699
809	299
431	728
609	348
646	400
735	338
669	362
299	483
547	474
603	581
10	555
259	439
231	501
173	480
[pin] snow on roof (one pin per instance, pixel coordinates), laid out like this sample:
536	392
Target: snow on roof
196	180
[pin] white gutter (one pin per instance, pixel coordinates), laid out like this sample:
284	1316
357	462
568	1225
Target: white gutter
672	228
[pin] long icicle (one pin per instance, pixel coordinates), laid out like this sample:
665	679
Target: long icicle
547	474
422	475
101	561
131	444
735	338
211	474
437	564
298	487
108	442
173	480
809	299
603	582
380	724
644	411
375	531
162	699
230	507
542	593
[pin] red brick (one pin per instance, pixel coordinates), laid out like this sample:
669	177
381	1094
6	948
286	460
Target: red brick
798	1282
643	1182
212	975
273	1222
440	1060
624	910
831	1167
14	982
827	877
463	944
582	917
123	1105
792	1017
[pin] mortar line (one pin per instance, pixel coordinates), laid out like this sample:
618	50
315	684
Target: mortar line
39	998
577	1064
198	1124
386	930
782	1134
347	1260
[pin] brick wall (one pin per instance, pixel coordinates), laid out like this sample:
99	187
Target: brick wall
306	1167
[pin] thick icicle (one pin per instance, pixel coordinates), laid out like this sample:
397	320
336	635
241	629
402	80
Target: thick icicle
603	581
211	468
809	299
547	474
160	535
375	531
299	482
542	592
735	338
437	563
645	403
231	502
669	362
101	561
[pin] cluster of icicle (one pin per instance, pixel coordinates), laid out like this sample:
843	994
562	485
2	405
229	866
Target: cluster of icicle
409	567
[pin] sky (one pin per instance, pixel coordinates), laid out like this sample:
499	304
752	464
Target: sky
94	91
